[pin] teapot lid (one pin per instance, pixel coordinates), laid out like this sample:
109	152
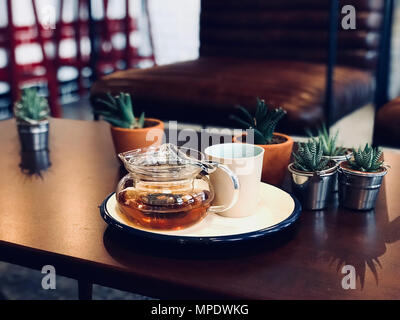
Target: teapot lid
164	162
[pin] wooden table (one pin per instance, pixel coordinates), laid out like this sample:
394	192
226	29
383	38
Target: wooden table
55	220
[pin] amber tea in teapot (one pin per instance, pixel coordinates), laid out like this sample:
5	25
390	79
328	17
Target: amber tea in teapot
167	187
142	208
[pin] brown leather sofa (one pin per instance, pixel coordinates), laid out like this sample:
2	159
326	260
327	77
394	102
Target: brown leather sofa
275	49
387	125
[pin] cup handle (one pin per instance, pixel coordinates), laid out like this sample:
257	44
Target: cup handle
236	187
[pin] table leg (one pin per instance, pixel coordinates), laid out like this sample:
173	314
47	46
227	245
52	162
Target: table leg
85	290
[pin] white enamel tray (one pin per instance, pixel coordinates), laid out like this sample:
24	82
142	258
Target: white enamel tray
276	211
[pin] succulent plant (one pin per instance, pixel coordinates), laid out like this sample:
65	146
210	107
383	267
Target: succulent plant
329	147
309	158
32	108
367	160
119	112
263	122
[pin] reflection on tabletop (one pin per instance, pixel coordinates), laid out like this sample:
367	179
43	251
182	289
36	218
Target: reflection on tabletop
33	163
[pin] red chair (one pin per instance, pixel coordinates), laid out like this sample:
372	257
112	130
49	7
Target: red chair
19	75
110	57
4	84
75	31
132	55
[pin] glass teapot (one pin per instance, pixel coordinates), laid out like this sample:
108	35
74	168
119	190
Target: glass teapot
168	188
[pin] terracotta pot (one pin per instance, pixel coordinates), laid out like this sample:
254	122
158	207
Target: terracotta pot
276	159
130	139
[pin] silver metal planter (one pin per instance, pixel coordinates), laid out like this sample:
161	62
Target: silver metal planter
359	190
313	188
34	137
338	159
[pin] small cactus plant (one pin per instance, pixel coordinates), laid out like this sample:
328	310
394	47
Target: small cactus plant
119	112
309	158
367	160
263	122
329	143
32	108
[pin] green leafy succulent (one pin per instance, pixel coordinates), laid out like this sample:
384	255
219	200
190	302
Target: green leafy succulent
119	112
32	108
263	122
309	158
367	160
329	147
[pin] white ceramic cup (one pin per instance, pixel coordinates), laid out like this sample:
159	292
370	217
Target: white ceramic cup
246	161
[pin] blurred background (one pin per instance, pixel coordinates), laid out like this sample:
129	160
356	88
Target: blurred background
83	40
174	26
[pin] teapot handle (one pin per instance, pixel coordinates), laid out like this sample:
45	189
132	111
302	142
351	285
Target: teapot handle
236	187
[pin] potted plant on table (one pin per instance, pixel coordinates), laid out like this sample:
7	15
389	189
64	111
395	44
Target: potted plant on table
32	113
360	178
128	132
278	147
331	150
313	177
